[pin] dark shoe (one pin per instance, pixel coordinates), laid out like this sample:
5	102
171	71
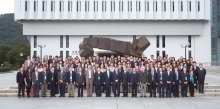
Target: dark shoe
141	96
69	96
60	96
109	96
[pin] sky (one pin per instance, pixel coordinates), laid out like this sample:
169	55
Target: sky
6	6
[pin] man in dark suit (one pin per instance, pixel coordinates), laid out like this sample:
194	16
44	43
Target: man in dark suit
36	82
108	81
52	82
176	81
70	81
161	81
134	80
195	70
20	81
169	81
80	81
184	82
57	69
98	80
143	79
62	82
125	81
153	82
44	79
201	78
116	81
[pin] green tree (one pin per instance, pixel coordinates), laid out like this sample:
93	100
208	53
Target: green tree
3	51
13	56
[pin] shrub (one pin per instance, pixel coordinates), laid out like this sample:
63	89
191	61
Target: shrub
7	64
5	69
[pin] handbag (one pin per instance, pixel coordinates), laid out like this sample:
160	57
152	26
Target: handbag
32	91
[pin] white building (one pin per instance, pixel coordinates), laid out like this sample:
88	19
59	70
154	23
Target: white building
62	24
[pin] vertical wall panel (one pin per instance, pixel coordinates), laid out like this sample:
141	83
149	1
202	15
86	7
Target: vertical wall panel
167	12
184	12
108	9
142	12
116	11
201	12
159	9
91	9
133	12
57	9
193	10
176	9
125	9
99	13
74	9
48	15
65	11
39	11
82	12
31	9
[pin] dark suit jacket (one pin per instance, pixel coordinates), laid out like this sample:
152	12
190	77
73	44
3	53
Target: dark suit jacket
155	78
106	79
125	77
169	77
116	77
183	77
174	76
20	77
42	78
98	81
80	79
163	77
34	78
28	80
201	74
134	80
196	71
132	64
52	75
68	77
63	77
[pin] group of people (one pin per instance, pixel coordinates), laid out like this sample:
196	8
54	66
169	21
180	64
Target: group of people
107	75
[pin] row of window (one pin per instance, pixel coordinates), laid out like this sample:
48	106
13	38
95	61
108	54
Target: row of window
61	54
164	53
163	41
61	41
121	6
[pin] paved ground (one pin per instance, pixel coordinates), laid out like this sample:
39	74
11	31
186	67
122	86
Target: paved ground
8	79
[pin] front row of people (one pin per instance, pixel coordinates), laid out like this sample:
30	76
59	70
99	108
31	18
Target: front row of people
160	80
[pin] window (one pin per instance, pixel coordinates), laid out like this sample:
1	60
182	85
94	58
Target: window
51	5
88	5
77	6
102	5
134	37
61	54
158	53
164	6
35	41
67	53
181	6
43	6
190	6
148	6
67	41
97	6
136	5
189	40
163	53
25	5
60	6
94	5
189	54
61	41
158	41
198	6
34	5
35	54
128	6
114	5
173	5
122	6
131	6
156	5
68	5
105	5
163	41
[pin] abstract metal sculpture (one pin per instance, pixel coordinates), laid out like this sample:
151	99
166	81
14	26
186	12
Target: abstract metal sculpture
122	47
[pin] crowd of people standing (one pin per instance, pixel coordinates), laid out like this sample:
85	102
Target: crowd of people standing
111	76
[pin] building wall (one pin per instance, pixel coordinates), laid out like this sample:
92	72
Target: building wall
111	9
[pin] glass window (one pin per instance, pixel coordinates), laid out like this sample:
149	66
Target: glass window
189	40
67	53
214	42
158	53
61	41
43	6
163	53
67	41
61	53
214	34
35	41
25	5
190	6
198	6
190	54
173	5
214	57
35	54
34	5
163	41
214	50
158	41
164	6
181	6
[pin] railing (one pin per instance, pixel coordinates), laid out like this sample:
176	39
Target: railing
212	65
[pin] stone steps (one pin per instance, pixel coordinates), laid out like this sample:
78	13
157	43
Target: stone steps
103	95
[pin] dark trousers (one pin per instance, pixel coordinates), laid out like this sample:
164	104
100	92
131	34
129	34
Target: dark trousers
21	88
168	89
176	89
134	90
28	89
161	87
201	86
52	88
184	88
191	89
125	89
116	87
80	90
108	90
62	89
103	88
98	90
36	88
152	89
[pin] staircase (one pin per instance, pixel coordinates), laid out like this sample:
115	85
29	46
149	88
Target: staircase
209	90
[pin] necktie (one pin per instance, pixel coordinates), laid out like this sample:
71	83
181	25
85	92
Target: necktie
61	74
108	74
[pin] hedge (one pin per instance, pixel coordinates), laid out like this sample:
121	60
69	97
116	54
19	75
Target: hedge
5	69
